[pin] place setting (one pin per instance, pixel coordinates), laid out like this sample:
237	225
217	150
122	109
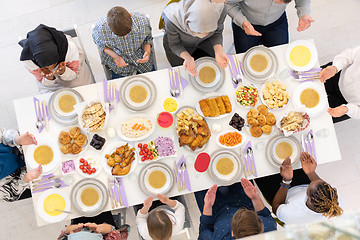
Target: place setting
42	115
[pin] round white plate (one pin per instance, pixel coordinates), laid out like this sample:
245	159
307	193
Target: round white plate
268	58
132	116
162	104
213	66
110	149
80	108
85	156
213	95
136	83
82	205
293	146
261	95
230	131
257	102
83	148
56	102
312	49
48	168
317	110
40	205
157	190
270	148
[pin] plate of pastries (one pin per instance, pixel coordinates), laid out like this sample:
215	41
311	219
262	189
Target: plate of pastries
214	106
93	117
72	140
260	122
120	159
192	129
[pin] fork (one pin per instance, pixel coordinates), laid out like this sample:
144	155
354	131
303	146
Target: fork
109	92
237	65
117	183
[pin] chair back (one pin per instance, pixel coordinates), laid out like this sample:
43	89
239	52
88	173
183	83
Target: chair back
161	21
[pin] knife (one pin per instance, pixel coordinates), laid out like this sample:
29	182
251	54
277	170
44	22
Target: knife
111	198
176	171
45	117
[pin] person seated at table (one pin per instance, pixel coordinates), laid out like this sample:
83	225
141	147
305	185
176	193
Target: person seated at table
98	227
125	42
54	59
14	179
303	197
234	211
163	221
340	78
193	27
256	22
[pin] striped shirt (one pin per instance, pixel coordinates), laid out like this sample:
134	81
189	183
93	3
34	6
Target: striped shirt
129	47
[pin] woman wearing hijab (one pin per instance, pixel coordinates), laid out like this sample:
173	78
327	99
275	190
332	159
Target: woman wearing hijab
54	59
192	25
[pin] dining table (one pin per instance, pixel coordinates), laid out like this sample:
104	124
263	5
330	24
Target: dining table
327	148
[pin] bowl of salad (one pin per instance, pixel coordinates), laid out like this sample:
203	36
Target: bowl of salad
247	96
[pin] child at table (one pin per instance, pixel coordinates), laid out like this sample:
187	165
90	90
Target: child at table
125	41
163	221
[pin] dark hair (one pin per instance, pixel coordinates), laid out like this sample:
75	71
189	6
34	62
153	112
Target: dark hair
286	1
159	225
245	223
119	21
324	199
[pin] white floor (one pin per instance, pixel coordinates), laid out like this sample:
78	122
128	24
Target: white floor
336	28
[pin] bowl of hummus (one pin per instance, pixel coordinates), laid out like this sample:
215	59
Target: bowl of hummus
136	127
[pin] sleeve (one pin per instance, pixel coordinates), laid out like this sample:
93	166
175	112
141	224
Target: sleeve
7	137
173	36
148	38
206	228
72	61
234	11
284	211
12	186
353	110
142	224
217	37
302	7
98	37
346	58
180	216
34	70
268	221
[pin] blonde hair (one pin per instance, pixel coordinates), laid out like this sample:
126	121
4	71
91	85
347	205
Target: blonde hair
246	223
159	225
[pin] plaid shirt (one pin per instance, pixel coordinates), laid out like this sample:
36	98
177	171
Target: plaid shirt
129	47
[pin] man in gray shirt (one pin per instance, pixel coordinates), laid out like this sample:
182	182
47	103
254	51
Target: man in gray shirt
257	22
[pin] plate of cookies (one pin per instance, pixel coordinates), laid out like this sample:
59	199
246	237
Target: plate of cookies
92	116
274	95
72	140
260	123
214	106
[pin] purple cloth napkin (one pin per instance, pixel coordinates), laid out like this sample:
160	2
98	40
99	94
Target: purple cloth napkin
250	159
233	67
120	189
306	73
186	174
117	96
38	113
48	183
177	79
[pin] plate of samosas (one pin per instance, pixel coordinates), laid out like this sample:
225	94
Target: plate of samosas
192	129
214	106
72	140
274	95
260	122
120	159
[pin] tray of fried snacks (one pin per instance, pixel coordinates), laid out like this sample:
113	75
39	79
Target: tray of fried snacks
72	140
92	115
260	122
214	105
293	122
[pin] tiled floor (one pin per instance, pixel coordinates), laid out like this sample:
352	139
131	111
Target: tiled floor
335	29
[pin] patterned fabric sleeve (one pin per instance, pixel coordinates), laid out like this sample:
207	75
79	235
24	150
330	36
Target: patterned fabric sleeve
12	186
7	137
149	38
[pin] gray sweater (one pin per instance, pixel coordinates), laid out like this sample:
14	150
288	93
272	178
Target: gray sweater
180	41
262	12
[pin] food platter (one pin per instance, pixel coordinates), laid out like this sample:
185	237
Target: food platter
93	159
258	122
156	149
266	73
271	148
276	86
251	96
146	119
322	104
145	85
301	55
63	196
230	131
232	174
213	86
163	184
53	164
94	205
83	147
209	96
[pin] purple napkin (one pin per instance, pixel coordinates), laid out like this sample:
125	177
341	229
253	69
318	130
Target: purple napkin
250	159
313	146
38	114
171	78
247	166
105	90
178	78
232	68
47	183
120	189
186	174
117	96
306	73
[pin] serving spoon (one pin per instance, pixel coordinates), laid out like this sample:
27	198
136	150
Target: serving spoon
310	139
250	152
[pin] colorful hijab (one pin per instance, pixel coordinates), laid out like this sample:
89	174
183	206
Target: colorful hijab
44	46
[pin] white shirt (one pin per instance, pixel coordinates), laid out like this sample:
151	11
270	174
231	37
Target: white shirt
349	83
177	227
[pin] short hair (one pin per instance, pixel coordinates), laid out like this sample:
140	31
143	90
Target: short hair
286	1
324	198
245	223
159	225
119	21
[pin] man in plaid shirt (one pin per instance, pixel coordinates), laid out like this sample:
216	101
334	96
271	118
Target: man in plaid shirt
125	42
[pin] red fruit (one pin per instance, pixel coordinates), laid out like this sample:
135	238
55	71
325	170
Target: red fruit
86	163
141	153
89	171
146	150
143	159
151	157
84	171
93	170
139	145
88	167
82	160
145	145
81	166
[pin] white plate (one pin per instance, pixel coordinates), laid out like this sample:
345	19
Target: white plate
263	136
162	102
135	83
85	156
48	168
321	107
257	102
110	149
83	148
213	95
213	66
157	190
230	131
56	103
261	93
82	205
234	171
80	108
266	55
270	150
132	116
159	157
312	49
293	145
40	205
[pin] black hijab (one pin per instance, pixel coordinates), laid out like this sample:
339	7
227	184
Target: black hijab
44	46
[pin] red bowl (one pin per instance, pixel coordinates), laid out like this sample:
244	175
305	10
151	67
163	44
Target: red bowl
165	119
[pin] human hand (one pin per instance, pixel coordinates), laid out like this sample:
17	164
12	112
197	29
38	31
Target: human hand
327	73
148	202
304	23
210	196
249	188
25	139
338	111
308	163
190	66
33	174
145	58
221	59
93	227
74	228
286	170
46	73
120	62
61	68
249	29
